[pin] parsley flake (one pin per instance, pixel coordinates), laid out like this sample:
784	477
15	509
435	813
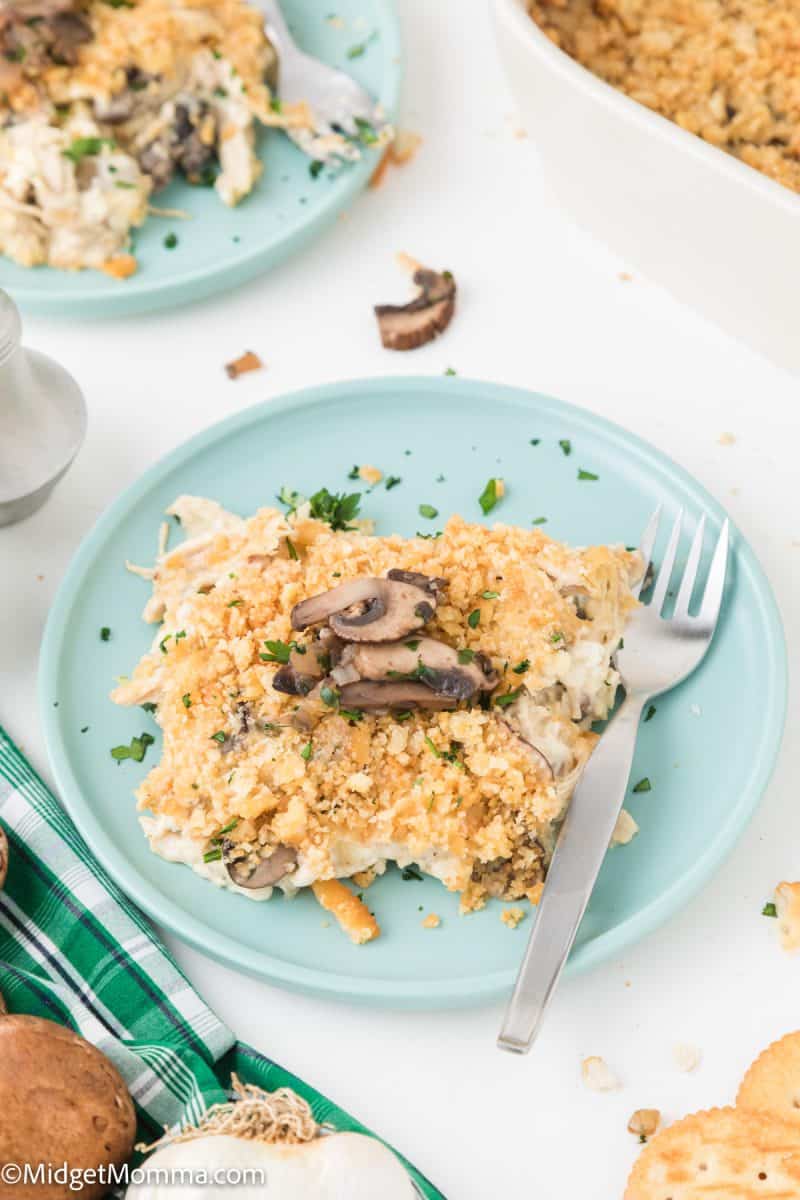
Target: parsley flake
644	785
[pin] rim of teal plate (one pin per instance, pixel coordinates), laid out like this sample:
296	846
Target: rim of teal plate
189	285
481	988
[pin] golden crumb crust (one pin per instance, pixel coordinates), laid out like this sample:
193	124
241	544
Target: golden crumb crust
461	786
726	70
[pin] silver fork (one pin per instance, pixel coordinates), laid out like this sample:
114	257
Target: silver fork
658	654
340	107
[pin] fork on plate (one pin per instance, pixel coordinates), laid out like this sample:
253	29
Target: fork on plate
659	652
345	116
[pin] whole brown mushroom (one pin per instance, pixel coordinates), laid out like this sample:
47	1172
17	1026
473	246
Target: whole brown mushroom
61	1101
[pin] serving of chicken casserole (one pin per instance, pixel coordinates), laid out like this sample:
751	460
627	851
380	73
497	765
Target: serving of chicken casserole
332	701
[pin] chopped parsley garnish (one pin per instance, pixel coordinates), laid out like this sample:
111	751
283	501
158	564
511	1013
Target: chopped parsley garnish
148	706
234	603
162	645
136	750
556	637
306	752
587	474
411	872
213	855
291	549
123	185
105	634
566	445
508	698
220	736
411	645
315	167
366	132
450	371
539	521
490	495
466	655
186	698
450	755
521	667
360	48
352	714
428	511
280	652
473	620
535	441
170	241
769	910
354	472
644	785
85	147
490	595
329	696
337	510
275	104
392	481
651	712
428	536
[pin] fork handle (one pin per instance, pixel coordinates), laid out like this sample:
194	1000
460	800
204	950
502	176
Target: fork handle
578	857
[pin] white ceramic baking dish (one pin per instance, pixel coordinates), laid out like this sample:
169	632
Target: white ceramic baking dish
717	233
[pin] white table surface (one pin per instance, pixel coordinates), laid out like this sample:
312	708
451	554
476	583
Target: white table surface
541	305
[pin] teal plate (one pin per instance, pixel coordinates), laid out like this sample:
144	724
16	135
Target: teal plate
221	247
708	750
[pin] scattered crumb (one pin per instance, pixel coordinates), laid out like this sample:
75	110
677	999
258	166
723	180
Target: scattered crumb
512	917
40	578
363	879
535	894
370	474
499	488
686	1057
625	829
695	710
406	263
249	361
121	266
163	538
727	439
644	1123
400	151
432	921
598	1076
520	134
625	276
326	924
787	903
179	214
335	21
627	983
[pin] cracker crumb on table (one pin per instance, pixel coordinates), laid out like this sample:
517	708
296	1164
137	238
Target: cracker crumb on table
512	917
432	921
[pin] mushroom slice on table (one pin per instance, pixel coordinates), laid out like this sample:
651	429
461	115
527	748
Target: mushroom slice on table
367	695
368	610
250	872
425	660
407	326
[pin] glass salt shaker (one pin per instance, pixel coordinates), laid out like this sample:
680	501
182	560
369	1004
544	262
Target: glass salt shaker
42	421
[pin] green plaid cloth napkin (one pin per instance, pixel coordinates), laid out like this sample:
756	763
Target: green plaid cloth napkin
75	950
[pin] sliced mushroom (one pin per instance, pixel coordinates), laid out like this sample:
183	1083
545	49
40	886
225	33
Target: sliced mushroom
368	610
424	660
429	583
304	669
407	326
3	858
368	695
263	872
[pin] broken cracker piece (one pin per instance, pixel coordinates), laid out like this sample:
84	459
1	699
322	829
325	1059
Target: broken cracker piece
351	913
432	921
772	1083
787	905
249	361
370	474
121	266
512	917
598	1076
625	829
644	1122
686	1057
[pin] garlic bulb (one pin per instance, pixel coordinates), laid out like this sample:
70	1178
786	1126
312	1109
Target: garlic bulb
341	1166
